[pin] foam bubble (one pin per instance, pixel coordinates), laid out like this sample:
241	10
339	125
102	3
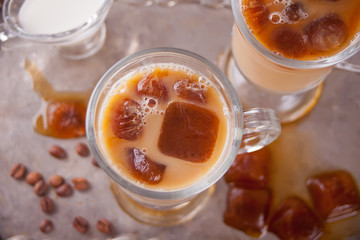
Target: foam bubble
276	18
152	103
284	2
148	106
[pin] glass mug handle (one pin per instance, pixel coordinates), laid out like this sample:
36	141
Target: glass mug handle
261	127
10	41
345	65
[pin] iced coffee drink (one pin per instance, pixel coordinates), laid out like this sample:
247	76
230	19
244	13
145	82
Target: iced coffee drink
166	124
163	126
310	31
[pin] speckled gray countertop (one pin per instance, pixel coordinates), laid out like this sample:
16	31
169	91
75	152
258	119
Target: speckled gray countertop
327	138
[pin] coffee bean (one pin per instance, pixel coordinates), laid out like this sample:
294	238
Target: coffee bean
40	188
80	183
18	171
46	204
94	162
56	180
46	226
82	149
80	224
104	226
33	177
57	152
64	190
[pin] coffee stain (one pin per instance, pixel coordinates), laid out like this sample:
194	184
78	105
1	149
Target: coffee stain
49	96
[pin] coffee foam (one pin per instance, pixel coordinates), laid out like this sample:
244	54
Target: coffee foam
281	17
148	106
285	2
172	66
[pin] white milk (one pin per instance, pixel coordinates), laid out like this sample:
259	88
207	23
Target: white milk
55	16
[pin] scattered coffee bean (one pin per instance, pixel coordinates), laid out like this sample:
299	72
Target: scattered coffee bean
33	177
94	162
82	149
56	180
40	188
46	226
57	152
104	226
64	190
46	204
80	183
18	171
80	224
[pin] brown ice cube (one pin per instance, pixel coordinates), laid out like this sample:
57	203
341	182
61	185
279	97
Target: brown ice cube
66	119
288	42
250	169
152	85
188	132
190	90
293	219
143	168
334	194
125	120
247	209
294	12
256	14
326	33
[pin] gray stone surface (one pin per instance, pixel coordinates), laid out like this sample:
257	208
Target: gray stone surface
327	138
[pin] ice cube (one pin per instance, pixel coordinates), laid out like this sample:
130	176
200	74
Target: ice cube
293	219
334	194
143	168
250	169
125	120
326	33
152	85
188	132
247	209
288	42
66	119
294	12
256	14
190	90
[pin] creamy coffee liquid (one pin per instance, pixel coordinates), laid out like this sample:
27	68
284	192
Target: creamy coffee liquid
55	16
270	75
177	173
303	29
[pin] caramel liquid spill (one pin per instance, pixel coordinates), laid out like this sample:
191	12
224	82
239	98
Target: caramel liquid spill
62	113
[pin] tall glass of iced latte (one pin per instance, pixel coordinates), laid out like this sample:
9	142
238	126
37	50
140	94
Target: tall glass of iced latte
282	50
165	124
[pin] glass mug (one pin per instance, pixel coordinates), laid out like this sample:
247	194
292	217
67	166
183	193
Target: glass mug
254	128
263	78
77	42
